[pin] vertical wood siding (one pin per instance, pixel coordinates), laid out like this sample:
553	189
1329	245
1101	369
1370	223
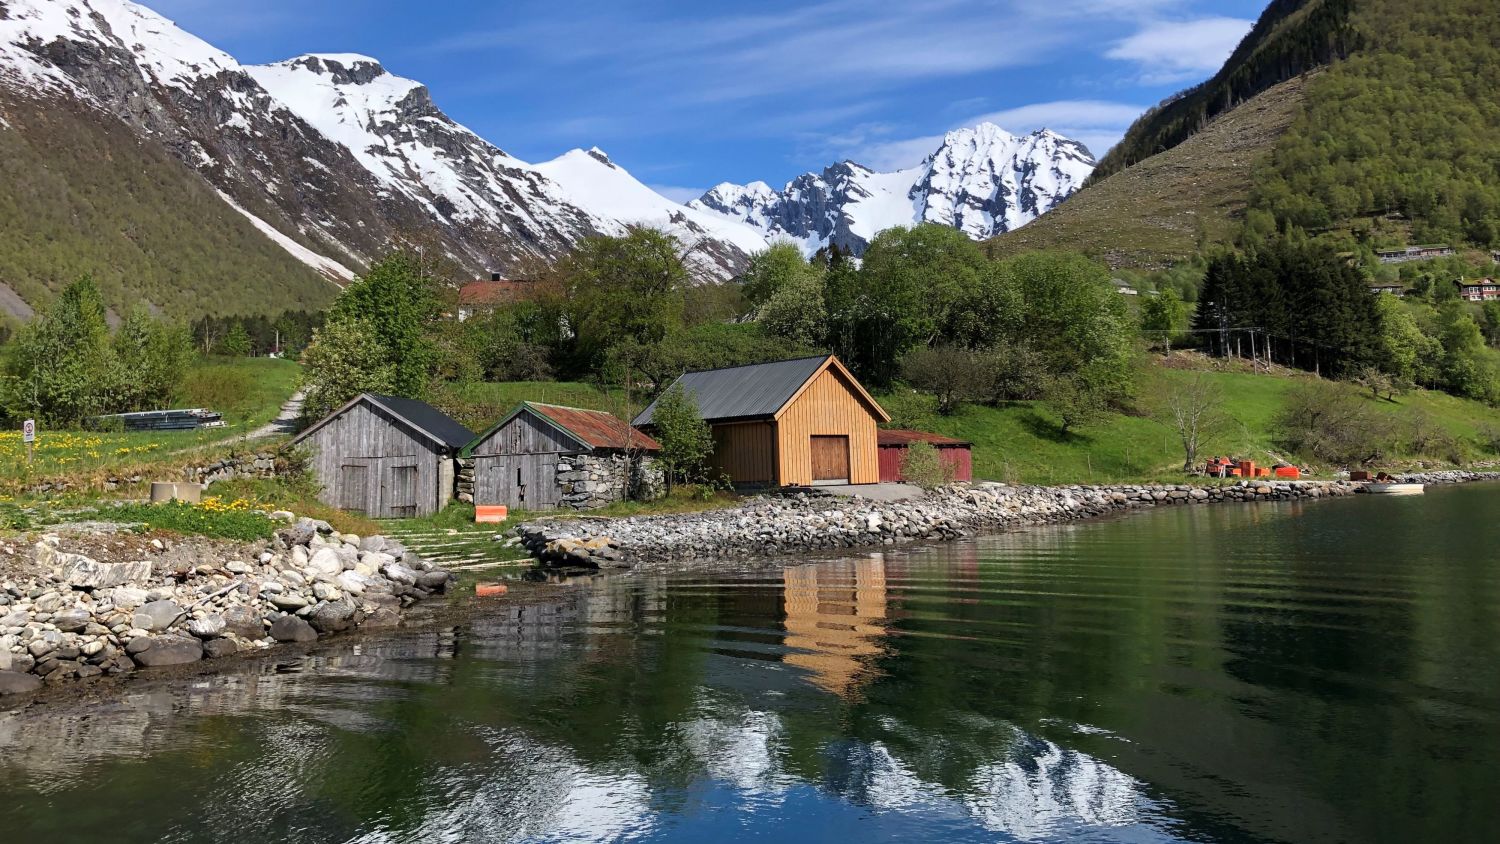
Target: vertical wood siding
746	452
371	462
959	458
516	465
828	407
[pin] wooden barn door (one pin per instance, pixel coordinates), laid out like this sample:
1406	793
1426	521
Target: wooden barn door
521	481
399	495
495	481
355	492
540	474
830	460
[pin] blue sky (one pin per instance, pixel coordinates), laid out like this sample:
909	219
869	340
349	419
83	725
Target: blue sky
688	94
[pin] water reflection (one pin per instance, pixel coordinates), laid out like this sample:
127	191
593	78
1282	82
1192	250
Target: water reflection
835	615
1119	682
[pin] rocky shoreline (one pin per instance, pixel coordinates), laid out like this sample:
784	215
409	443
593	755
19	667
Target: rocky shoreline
767	526
77	618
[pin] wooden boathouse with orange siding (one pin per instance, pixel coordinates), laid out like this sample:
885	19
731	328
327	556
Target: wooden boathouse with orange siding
788	423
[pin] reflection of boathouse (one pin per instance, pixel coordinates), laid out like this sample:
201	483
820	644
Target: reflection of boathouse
835	614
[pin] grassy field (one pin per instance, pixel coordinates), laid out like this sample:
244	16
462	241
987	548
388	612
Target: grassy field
480	405
248	391
1020	442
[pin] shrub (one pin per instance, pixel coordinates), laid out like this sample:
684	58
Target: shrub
1331	423
923	466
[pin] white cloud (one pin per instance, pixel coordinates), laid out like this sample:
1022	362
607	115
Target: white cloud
1178	51
677	194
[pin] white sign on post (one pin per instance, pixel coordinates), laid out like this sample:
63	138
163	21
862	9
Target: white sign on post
28	431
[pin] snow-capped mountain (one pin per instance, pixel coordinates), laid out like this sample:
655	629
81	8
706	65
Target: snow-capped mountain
331	156
983	181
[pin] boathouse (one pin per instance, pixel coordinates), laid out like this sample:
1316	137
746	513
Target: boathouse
788	423
547	457
385	456
957	455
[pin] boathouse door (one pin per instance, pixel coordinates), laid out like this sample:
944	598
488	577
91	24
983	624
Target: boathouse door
830	460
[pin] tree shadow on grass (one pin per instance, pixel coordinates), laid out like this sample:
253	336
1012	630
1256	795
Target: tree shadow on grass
1043	428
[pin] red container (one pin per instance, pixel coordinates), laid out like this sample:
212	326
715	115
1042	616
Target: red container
486	514
1291	472
490	590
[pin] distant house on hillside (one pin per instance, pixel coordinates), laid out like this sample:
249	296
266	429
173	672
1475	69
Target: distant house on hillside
386	457
1414	253
485	295
788	423
1478	290
1388	289
547	457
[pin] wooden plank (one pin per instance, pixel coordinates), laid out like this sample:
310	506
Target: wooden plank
829	406
526	434
745	451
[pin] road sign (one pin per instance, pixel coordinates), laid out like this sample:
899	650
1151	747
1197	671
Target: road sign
28	431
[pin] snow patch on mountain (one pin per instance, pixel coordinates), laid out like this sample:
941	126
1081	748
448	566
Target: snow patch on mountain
591	180
981	180
327	266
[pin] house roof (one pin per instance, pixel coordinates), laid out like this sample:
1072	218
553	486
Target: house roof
755	391
419	415
904	437
589	428
487	292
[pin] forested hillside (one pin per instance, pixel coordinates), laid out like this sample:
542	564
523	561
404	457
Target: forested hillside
84	195
1393	137
1406	129
1291	38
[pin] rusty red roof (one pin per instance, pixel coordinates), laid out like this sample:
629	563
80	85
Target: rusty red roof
596	428
904	436
487	292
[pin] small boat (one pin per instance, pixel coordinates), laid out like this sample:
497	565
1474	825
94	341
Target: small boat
1393	488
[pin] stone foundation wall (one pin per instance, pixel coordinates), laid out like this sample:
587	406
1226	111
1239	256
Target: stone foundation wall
261	465
588	481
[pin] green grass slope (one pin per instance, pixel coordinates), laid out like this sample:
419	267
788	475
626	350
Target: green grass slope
1019	443
1166	207
80	193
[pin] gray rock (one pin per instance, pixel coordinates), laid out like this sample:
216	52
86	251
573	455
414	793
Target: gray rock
289	601
244	622
436	580
332	616
128	597
16	618
290	628
72	621
16	683
326	591
325	562
156	615
208	627
381	617
83	572
352	582
139	644
300	533
174	650
282	516
398	573
220	648
372	543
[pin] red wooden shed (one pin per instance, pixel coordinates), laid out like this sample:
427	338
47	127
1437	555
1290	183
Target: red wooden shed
893	443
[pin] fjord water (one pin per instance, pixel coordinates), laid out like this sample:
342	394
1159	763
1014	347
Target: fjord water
1296	672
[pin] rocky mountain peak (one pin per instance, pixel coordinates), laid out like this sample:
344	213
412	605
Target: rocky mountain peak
982	180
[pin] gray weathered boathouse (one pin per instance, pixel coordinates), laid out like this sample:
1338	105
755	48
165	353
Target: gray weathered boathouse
385	457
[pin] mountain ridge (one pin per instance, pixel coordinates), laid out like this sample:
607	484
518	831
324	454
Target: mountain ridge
981	180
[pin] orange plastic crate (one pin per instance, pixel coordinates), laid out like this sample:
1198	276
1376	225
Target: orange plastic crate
486	514
1291	472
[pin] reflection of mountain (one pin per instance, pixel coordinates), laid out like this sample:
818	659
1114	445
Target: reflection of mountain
834	621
